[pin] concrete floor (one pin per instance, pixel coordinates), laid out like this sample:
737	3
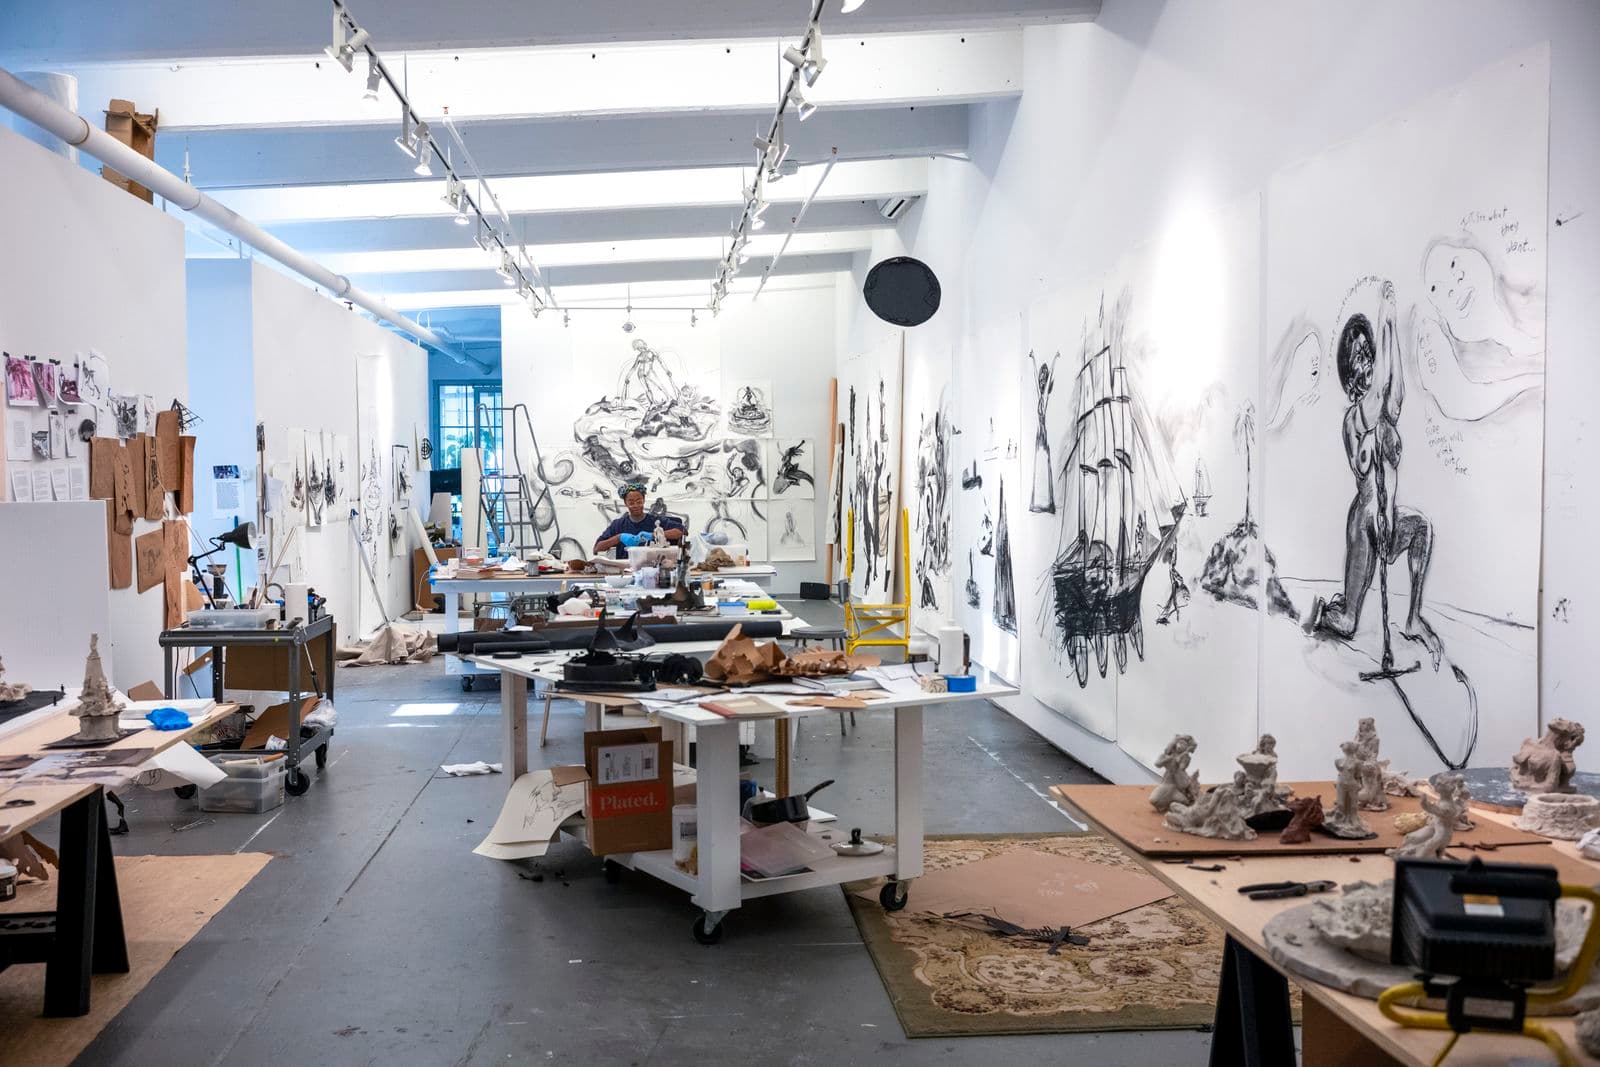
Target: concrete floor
376	937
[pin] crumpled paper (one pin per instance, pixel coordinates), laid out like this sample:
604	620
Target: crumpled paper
462	770
819	662
739	660
394	644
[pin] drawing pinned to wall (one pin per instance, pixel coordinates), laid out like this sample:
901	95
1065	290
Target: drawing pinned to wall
374	493
20	388
344	476
400	464
126	410
1005	586
68	385
295	483
792	464
750	519
94	379
47	381
792	532
873	483
1404	447
1044	469
743	469
748	404
931	493
316	472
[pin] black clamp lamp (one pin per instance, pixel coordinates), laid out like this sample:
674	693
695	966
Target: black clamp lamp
241	536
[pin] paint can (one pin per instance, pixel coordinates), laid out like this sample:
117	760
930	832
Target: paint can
8	881
685	833
952	641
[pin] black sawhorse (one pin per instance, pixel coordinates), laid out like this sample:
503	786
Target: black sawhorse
84	935
1253	1027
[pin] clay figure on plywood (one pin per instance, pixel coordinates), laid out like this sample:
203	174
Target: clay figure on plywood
1044	471
1371	796
1344	820
1219	813
1305	816
11	692
1261	770
1547	765
97	706
1177	785
1444	810
1563	816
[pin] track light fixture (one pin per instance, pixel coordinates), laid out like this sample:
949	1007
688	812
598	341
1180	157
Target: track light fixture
424	142
346	43
507	269
803	108
374	78
807	57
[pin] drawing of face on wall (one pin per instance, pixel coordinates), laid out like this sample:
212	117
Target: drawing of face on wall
1356	358
1472	301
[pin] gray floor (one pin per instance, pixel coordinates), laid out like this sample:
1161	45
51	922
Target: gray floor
375	937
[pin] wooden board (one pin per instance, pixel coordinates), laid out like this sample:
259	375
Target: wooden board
137	475
185	488
150	559
155	495
119	558
1124	812
168	450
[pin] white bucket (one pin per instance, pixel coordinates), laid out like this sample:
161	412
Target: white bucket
685	833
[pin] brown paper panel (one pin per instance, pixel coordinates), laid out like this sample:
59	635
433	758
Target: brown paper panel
154	495
103	467
120	556
150	558
1124	812
177	543
185	487
167	449
172	595
125	488
137	473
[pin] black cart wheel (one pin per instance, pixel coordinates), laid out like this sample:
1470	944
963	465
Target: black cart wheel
612	871
466	683
893	896
295	783
322	755
185	792
704	935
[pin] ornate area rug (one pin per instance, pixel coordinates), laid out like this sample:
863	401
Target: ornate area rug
1152	968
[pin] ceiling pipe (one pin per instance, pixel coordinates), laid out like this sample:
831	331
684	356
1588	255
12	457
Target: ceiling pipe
22	99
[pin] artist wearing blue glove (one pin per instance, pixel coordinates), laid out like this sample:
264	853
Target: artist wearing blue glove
637	527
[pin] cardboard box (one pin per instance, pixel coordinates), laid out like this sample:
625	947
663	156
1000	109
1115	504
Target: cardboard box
629	798
138	132
255	667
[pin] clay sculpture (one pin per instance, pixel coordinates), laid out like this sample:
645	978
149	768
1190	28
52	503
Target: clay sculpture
97	707
1177	786
1547	765
1371	770
1219	813
1345	818
11	692
1443	811
1563	816
1307	817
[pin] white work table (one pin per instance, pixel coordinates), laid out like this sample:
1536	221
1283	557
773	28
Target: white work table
718	888
452	589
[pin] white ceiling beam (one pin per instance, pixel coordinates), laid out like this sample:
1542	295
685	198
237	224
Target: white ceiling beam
507	83
858	180
592	253
642	294
72	31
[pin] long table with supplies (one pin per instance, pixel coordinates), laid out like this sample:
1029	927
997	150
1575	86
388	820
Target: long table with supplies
84	935
1252	1022
717	886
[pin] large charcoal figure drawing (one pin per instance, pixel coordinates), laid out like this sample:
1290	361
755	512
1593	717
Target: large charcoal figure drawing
1005	589
1121	512
933	502
1044	486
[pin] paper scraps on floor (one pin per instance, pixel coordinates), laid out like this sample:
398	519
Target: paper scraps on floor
1033	889
538	805
462	770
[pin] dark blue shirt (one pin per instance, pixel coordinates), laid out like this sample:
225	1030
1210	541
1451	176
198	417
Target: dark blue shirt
624	524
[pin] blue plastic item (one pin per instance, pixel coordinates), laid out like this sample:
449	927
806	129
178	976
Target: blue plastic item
168	719
637	540
962	683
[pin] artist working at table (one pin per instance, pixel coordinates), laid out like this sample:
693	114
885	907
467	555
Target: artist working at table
636	528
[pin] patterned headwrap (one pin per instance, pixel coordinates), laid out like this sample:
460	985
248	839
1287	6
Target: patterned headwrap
630	487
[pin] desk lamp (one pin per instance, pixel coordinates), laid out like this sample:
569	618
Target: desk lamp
241	536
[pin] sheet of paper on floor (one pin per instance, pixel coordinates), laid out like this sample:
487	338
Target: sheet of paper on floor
183	763
534	809
1033	889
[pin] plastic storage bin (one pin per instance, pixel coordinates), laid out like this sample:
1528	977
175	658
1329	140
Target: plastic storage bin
250	788
232	618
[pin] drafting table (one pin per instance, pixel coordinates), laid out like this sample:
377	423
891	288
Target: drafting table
718	888
1338	1028
452	589
84	935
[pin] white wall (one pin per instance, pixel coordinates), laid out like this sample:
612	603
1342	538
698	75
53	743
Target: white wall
85	265
787	337
279	353
1156	107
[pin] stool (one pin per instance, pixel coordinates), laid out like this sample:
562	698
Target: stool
828	636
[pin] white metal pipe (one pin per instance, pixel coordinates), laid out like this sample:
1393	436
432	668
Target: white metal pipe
19	97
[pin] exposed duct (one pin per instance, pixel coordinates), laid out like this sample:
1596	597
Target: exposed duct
19	97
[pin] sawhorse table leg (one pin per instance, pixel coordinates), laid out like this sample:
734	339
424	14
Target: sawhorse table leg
1252	1027
88	932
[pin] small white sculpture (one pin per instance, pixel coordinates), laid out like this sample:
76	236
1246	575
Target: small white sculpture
1371	770
1443	811
1400	784
1219	813
97	707
1547	765
1360	921
11	691
1587	1028
1589	845
1261	768
1345	818
1177	786
1563	816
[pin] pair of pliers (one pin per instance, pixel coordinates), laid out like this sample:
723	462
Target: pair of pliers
1281	890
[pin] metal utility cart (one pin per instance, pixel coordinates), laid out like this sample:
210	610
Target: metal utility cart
295	639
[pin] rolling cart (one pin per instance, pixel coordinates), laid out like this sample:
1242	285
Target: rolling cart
295	639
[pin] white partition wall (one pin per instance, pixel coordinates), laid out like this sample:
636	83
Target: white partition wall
88	267
1131	160
330	389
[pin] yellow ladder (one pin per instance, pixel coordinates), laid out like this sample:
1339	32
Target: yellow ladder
872	625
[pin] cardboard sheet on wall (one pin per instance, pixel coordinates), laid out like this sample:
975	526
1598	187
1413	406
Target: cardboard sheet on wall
119	553
168	449
138	478
155	495
150	557
185	486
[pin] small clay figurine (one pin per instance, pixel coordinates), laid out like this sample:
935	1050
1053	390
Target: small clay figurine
97	708
1370	774
1345	818
1307	817
1563	816
1219	813
1262	768
1546	765
1443	811
1177	786
11	691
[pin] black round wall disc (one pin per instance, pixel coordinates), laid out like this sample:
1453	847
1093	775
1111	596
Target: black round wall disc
902	290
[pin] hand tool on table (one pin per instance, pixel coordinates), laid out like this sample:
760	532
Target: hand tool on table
1281	890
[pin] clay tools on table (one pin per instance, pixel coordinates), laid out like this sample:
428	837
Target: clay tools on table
1280	890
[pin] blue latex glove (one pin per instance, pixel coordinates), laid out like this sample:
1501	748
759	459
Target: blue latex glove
168	719
636	540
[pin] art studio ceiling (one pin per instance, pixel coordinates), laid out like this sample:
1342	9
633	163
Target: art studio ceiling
619	159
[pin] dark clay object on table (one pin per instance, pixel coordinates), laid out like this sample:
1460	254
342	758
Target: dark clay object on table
1266	822
1305	816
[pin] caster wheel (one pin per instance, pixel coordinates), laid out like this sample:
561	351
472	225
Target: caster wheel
322	756
185	792
893	896
704	936
612	871
466	683
295	783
